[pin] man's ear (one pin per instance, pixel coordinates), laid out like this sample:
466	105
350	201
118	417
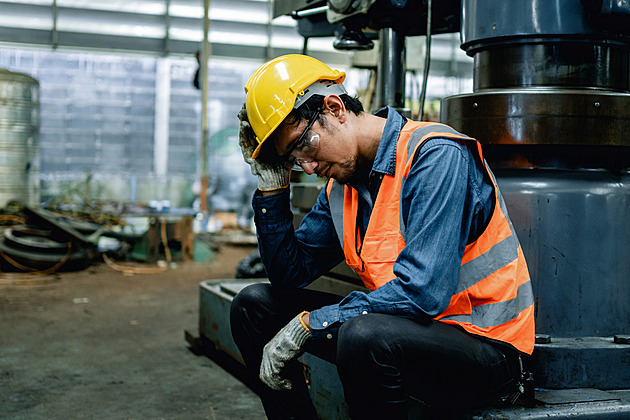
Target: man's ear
334	104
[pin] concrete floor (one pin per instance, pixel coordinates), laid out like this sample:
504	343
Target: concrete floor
98	344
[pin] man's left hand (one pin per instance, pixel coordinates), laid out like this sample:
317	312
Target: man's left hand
282	349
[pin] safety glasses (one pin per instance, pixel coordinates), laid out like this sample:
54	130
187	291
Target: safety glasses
306	145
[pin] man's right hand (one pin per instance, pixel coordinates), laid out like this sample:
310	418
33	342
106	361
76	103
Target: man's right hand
271	177
282	349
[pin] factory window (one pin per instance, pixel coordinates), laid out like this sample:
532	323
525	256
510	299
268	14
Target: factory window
99	117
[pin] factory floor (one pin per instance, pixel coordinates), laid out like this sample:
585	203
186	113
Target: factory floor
99	344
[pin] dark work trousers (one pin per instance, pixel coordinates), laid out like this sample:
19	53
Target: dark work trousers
381	359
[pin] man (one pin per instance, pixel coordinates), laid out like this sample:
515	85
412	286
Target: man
415	211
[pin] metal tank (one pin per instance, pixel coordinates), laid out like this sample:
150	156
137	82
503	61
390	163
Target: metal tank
551	104
19	138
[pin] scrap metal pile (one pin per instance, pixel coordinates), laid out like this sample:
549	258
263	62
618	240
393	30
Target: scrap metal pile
42	242
37	241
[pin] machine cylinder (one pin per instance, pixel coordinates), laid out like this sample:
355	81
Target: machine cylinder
551	104
582	64
19	138
574	228
494	24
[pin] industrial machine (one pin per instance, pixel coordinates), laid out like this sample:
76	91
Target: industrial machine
551	105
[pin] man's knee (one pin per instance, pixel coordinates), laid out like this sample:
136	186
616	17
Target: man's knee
246	308
248	298
363	339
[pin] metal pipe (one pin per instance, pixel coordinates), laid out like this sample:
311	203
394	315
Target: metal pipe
161	113
55	32
269	31
308	12
205	54
167	28
305	46
391	70
427	62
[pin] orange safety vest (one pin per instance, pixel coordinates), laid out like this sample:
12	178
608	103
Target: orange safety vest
494	296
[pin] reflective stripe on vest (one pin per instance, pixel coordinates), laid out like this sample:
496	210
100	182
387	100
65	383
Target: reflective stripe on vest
493	297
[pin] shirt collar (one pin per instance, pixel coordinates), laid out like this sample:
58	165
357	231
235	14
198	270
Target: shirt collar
385	161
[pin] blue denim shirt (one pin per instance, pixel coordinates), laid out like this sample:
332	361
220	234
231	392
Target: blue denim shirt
445	203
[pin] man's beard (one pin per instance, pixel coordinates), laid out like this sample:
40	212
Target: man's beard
348	172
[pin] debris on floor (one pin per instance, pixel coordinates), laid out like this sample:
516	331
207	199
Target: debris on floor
37	241
130	240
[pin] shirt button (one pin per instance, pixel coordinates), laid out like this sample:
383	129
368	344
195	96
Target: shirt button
329	336
264	210
325	324
364	313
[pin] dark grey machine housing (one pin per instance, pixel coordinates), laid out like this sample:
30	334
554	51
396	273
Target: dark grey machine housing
551	104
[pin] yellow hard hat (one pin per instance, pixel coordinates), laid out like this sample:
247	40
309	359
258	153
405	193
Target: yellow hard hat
274	86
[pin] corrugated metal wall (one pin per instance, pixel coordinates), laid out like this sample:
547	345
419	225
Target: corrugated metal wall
98	113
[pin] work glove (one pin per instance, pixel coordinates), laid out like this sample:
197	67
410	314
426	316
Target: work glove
283	348
271	176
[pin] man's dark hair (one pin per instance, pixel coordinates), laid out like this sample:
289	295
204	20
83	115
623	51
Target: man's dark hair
305	112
